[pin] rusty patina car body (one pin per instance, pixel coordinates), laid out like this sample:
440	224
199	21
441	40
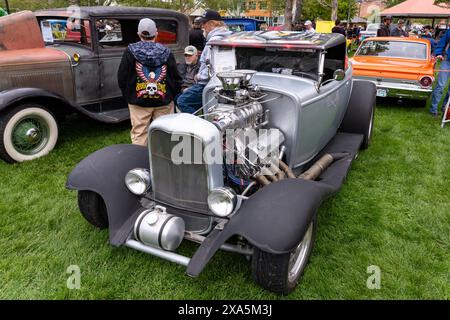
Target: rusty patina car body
400	67
60	61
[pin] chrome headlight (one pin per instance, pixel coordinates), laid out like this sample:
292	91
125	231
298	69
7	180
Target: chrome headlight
222	201
138	181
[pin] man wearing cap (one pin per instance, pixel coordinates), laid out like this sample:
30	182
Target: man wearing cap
384	30
189	68
191	99
398	30
427	34
196	37
149	80
309	29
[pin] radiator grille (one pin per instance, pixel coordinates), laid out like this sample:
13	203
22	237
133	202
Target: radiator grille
52	81
183	185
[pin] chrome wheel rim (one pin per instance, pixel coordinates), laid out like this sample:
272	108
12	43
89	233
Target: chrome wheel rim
30	135
300	255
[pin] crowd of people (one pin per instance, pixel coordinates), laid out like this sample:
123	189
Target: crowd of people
154	85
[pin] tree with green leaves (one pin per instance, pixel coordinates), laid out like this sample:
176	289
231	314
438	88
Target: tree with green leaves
3	12
313	9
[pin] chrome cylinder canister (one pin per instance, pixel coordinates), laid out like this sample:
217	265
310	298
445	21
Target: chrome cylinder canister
157	228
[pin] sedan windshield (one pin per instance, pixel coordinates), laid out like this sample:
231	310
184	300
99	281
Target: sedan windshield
59	30
393	49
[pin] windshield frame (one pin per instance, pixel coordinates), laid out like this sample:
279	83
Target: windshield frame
311	76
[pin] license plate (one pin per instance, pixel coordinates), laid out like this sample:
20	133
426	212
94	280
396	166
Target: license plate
381	93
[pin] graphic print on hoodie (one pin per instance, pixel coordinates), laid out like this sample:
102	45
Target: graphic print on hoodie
151	82
148	75
151	69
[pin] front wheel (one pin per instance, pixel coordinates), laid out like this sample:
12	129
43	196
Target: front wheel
93	208
280	273
27	132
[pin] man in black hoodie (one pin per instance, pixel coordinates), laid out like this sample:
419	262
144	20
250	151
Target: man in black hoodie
149	80
385	29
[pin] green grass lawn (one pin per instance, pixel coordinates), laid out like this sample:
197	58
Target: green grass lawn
393	212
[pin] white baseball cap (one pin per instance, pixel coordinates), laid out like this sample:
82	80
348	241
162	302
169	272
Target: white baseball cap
190	50
308	23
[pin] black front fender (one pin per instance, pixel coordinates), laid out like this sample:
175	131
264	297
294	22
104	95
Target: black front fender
274	219
104	173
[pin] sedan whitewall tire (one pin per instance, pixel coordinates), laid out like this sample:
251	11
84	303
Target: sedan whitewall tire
27	132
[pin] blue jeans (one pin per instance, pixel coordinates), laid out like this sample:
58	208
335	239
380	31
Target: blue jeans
191	99
440	86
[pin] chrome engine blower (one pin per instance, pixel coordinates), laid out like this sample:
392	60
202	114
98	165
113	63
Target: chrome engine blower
250	148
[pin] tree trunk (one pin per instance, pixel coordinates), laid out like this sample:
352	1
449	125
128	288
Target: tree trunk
288	15
334	9
298	10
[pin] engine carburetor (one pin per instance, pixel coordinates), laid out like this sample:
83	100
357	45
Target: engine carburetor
237	102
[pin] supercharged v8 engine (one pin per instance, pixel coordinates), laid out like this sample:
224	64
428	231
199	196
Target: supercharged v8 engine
251	150
247	153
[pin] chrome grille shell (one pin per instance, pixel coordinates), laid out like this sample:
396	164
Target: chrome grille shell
184	185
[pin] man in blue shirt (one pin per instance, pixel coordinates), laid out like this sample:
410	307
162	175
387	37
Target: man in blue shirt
191	99
444	73
428	35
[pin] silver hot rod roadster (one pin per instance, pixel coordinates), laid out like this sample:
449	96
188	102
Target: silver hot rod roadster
281	123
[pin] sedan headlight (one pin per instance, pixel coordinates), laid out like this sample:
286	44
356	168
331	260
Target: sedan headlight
138	181
222	201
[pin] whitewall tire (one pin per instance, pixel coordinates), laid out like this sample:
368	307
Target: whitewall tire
27	132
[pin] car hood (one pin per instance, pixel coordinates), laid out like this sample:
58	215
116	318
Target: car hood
38	56
20	31
391	67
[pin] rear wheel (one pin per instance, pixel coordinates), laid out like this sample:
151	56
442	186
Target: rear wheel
93	208
27	132
280	273
359	117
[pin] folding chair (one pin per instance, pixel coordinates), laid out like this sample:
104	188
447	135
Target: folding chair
446	116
